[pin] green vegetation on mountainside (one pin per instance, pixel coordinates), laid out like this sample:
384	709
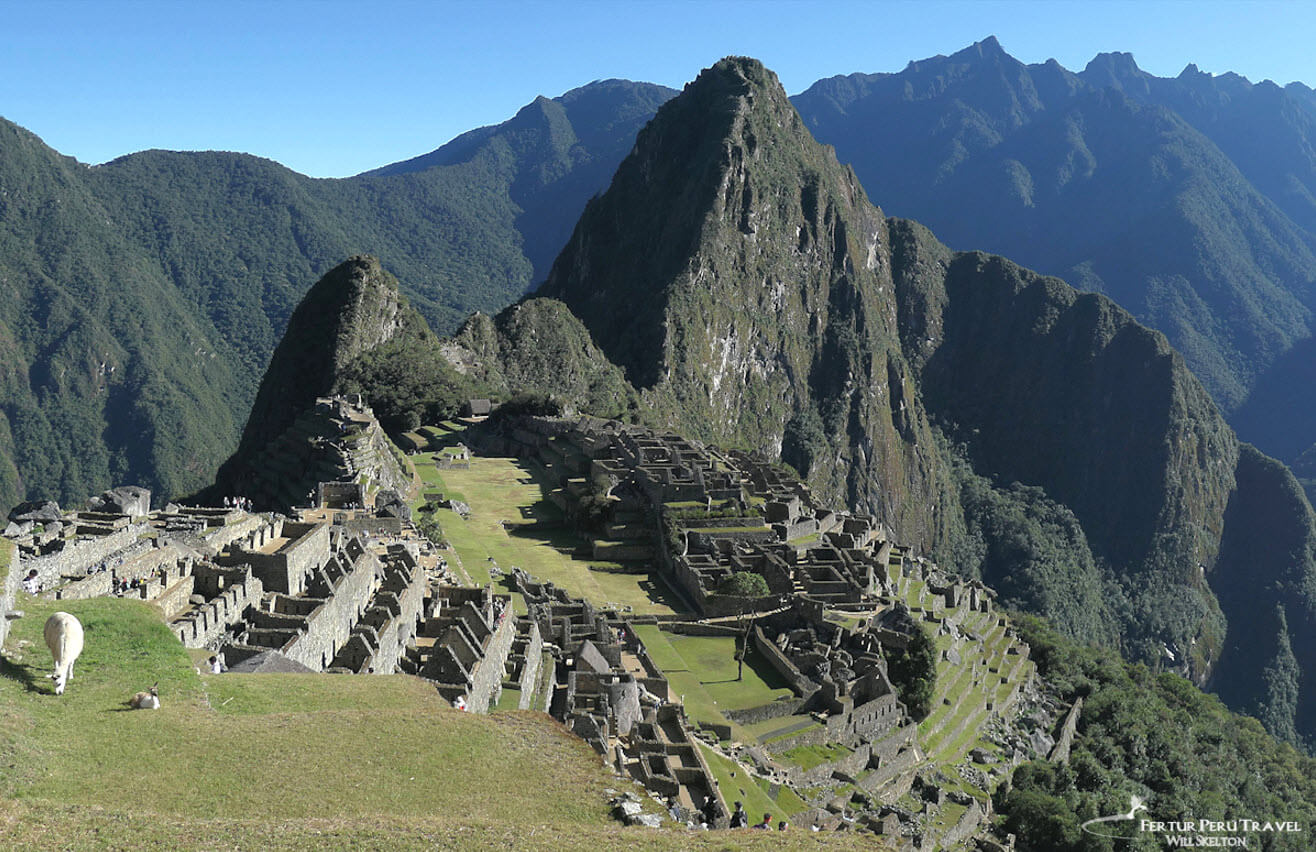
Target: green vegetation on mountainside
147	294
730	271
539	346
353	333
1157	737
742	280
108	375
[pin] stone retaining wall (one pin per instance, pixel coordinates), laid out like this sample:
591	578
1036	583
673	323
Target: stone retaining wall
10	582
80	554
487	678
204	626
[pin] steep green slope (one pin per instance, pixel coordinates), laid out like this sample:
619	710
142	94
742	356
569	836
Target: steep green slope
1156	737
354	332
157	285
1265	130
562	151
1053	388
108	375
538	346
741	279
1114	191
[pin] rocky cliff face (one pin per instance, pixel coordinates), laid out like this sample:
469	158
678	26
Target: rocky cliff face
1187	200
538	346
740	277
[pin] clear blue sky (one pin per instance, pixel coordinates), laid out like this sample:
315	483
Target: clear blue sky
334	88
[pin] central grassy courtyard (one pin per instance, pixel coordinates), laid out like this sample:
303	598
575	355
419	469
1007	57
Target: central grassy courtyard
513	524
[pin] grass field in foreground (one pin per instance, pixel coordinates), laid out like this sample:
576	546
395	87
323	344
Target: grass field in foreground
282	761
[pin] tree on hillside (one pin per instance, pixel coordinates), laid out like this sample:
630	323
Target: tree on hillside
745	586
913	671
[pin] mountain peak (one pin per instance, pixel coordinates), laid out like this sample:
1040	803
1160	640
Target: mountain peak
987	49
1115	71
693	182
738	75
354	308
1115	63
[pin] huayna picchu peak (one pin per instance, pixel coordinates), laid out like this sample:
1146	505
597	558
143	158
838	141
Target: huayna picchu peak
739	275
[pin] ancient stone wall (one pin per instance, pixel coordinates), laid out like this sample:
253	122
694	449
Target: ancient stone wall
10	582
534	664
1060	753
173	598
330	624
487	678
205	626
97	585
80	554
284	570
405	588
779	661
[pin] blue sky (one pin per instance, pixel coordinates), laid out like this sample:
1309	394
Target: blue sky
334	88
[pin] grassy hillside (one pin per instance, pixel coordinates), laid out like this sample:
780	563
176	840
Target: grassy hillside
274	761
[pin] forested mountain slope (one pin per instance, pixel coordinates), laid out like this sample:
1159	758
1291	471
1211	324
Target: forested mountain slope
1187	200
146	295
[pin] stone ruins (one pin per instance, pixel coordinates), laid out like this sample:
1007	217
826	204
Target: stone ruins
346	584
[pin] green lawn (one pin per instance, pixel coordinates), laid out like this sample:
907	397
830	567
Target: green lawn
502	489
701	670
335	746
807	757
737	785
292	762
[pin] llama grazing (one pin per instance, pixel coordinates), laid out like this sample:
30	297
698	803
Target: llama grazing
64	638
146	700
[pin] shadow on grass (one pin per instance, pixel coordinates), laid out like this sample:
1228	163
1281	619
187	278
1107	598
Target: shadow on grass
29	676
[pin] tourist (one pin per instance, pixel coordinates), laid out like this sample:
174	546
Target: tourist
709	812
216	665
31	584
783	825
766	824
739	819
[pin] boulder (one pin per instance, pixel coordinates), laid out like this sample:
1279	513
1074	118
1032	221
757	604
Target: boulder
37	511
131	500
16	529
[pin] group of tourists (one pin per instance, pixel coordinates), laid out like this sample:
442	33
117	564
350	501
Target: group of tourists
243	503
740	819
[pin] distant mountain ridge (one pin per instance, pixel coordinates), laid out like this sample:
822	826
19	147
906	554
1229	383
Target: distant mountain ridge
1202	226
1187	200
146	295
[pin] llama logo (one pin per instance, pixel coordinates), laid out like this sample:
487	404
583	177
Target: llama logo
1103	826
